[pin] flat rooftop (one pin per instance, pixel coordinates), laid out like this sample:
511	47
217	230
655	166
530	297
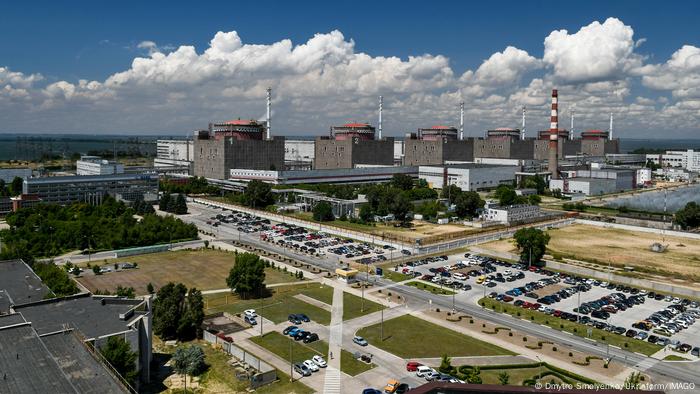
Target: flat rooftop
20	284
27	365
471	166
85	313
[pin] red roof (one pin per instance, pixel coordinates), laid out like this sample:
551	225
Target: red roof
441	127
595	131
356	125
241	122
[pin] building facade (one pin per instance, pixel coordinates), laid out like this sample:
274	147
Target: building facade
9	174
688	159
92	189
338	175
511	214
468	177
435	146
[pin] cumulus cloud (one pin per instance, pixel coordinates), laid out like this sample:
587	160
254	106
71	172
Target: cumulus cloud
327	80
597	52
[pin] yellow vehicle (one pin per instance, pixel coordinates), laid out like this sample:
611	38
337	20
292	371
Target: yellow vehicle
481	279
391	386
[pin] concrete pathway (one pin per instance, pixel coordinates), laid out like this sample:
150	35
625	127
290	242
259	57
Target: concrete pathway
227	290
477	360
314	302
332	381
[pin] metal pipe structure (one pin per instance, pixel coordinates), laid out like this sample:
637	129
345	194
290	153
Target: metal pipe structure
571	129
461	120
381	107
522	130
269	119
552	163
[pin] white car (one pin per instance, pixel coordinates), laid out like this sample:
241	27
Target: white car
311	365
423	371
318	360
459	276
250	313
507	272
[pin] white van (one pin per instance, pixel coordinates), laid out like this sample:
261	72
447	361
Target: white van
459	276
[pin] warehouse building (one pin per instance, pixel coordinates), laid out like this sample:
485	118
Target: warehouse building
595	182
468	177
511	214
91	189
340	175
175	154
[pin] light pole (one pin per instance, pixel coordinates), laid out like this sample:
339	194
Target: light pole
382	324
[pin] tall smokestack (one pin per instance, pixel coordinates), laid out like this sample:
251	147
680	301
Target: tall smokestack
571	129
610	134
461	120
381	107
552	163
269	104
522	129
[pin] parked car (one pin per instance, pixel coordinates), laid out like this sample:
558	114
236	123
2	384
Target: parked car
294	319
301	334
302	369
250	313
318	360
359	340
303	317
250	320
311	338
391	386
311	365
412	366
288	329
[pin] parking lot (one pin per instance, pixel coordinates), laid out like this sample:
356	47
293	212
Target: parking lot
619	309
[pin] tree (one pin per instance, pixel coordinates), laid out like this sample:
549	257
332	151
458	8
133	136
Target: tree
16	186
323	212
534	182
167	309
532	243
247	276
180	205
445	364
401	207
402	181
506	195
366	213
451	192
258	194
149	288
164	202
534	199
119	355
96	270
633	381
474	376
503	378
190	324
189	361
127	292
688	217
55	279
467	204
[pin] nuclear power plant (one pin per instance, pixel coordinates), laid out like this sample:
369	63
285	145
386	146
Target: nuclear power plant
249	145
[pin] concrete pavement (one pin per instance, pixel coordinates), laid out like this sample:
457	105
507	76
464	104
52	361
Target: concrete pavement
332	381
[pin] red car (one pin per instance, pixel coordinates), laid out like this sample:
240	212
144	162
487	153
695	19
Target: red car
412	366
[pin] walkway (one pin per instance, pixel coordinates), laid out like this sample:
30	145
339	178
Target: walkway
332	382
314	302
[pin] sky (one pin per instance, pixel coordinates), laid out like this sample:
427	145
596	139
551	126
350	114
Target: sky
173	67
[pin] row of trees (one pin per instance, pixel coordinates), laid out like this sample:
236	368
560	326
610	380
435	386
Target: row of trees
688	217
178	313
49	230
196	185
169	203
55	278
467	204
506	195
11	189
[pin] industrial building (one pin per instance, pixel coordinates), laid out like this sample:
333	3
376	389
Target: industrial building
595	182
339	175
511	214
91	189
687	159
95	165
52	336
175	154
350	145
468	177
436	145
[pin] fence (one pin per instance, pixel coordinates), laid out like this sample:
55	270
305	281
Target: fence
262	372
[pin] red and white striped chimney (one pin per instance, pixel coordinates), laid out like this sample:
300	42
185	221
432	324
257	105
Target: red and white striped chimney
552	162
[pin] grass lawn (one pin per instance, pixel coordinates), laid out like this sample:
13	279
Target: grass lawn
410	337
396	276
633	345
276	307
280	345
515	375
431	288
220	376
321	293
673	357
205	269
352	306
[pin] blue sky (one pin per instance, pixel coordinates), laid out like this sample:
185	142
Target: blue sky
92	41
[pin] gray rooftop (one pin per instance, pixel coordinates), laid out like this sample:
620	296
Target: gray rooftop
27	366
88	178
85	372
85	313
11	320
20	284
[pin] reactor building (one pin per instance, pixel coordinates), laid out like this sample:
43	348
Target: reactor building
352	145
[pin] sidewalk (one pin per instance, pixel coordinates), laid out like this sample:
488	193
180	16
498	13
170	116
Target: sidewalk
332	381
